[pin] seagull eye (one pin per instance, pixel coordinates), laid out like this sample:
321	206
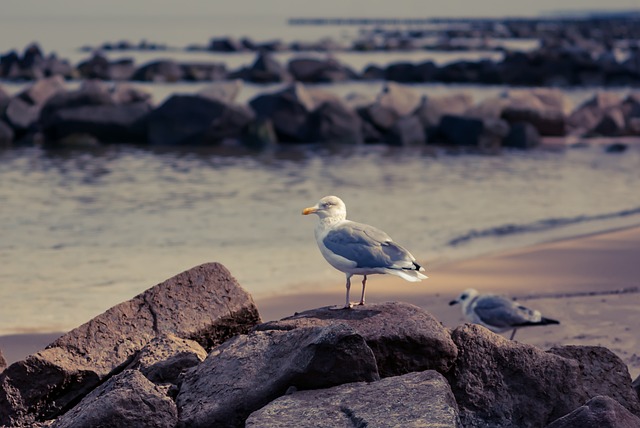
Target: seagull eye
463	297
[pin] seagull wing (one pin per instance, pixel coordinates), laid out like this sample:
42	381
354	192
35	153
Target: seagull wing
367	246
499	311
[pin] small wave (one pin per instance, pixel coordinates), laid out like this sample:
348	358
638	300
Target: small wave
538	226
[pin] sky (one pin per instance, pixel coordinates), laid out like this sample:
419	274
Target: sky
302	8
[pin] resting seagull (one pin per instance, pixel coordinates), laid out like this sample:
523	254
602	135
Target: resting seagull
498	313
359	249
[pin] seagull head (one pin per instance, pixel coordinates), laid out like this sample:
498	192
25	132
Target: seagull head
465	296
328	207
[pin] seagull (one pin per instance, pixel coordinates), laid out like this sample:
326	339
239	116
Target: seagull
359	249
498	313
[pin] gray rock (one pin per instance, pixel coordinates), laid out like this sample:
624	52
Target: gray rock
249	371
195	120
403	100
403	337
333	122
6	134
599	412
106	123
421	399
164	358
548	122
380	117
43	89
502	383
611	124
159	71
636	386
407	131
204	304
126	400
522	135
198	72
603	373
265	69
431	109
587	116
3	362
4	101
21	115
461	130
224	92
314	70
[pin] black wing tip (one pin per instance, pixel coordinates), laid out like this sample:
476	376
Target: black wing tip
543	321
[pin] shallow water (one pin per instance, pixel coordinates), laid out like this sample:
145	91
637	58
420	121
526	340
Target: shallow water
84	230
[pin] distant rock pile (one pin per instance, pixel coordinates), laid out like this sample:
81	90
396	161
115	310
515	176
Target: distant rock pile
191	352
97	112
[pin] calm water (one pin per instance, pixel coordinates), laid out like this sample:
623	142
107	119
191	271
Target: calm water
82	231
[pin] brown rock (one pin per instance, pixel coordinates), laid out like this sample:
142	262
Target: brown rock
422	399
599	412
125	400
403	337
204	304
502	383
164	358
603	373
431	109
249	371
3	362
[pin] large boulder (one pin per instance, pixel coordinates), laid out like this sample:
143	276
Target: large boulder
23	110
603	373
126	400
198	72
265	69
422	399
4	101
6	134
402	100
403	337
546	111
407	131
501	383
599	412
333	122
588	115
225	91
159	71
431	109
522	135
195	120
99	67
165	358
289	110
3	362
314	70
204	304
106	123
249	371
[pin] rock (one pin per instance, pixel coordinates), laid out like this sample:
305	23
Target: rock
259	135
431	109
402	100
461	130
198	72
407	131
21	115
107	123
121	70
225	92
587	116
6	134
195	120
541	109
636	386
91	93
405	72
333	122
225	44
4	101
165	357
204	304
289	110
96	67
126	400
313	70
380	117
421	399
551	98
403	337
249	371
124	93
502	383
43	89
159	71
3	362
522	135
265	69
599	412
602	373
611	124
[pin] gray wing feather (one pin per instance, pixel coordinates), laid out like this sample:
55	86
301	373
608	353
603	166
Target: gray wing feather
367	246
499	311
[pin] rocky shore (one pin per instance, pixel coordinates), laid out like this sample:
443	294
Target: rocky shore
192	351
97	112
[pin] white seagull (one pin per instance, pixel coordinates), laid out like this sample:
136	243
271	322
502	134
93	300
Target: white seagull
498	313
359	249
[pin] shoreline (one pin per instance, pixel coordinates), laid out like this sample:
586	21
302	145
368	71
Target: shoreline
590	283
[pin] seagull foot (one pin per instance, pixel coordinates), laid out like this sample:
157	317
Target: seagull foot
338	308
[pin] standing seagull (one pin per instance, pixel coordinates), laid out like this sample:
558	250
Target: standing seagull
359	249
498	313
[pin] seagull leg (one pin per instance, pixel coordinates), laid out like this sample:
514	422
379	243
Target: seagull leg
513	334
347	305
364	283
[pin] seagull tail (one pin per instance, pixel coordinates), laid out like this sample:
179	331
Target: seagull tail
408	275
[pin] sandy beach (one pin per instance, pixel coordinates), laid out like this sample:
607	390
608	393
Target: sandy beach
590	283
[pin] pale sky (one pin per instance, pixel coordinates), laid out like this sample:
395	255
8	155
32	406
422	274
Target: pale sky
288	8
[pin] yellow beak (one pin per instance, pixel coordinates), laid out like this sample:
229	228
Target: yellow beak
309	210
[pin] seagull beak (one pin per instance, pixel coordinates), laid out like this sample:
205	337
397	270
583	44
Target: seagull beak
309	210
453	302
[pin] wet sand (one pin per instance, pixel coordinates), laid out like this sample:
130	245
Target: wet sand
590	283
